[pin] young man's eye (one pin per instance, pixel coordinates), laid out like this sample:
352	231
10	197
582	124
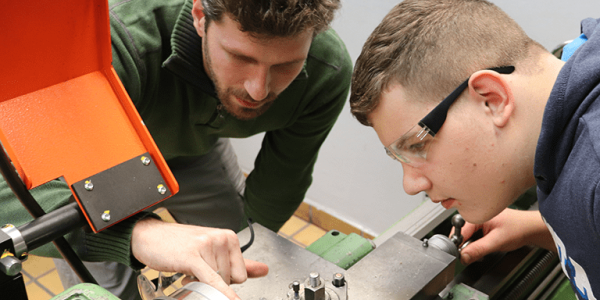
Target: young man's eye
418	147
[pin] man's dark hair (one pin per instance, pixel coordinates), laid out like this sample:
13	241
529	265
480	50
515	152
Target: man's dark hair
274	18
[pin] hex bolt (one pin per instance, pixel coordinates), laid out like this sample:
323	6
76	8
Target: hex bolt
88	185
106	216
338	280
161	189
145	160
314	287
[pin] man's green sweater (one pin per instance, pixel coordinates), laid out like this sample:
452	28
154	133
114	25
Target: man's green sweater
158	57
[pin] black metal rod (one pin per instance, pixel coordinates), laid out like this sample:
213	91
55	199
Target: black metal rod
52	225
18	187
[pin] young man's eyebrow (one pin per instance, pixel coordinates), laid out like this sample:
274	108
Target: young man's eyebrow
249	58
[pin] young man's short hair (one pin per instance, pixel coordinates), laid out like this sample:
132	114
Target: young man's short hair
431	46
275	18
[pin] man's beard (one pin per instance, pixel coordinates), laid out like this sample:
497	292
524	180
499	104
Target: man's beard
227	95
227	98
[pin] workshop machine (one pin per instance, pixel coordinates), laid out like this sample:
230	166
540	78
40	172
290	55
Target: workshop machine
64	115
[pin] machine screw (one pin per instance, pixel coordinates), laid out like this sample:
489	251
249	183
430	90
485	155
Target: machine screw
161	189
425	243
338	280
89	185
145	160
106	216
296	289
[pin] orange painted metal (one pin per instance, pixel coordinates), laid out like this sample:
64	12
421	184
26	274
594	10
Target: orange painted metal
63	110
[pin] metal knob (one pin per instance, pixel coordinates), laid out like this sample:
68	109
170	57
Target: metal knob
458	222
10	265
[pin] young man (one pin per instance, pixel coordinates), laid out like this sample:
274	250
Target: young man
519	117
200	72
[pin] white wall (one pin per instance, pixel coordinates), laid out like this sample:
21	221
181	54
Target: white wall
354	179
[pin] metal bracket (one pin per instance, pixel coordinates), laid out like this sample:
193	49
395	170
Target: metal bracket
119	192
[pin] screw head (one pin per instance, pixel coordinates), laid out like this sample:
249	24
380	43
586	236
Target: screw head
296	286
88	185
338	280
145	160
162	189
106	216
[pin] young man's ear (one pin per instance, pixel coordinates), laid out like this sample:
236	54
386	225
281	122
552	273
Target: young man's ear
495	93
199	19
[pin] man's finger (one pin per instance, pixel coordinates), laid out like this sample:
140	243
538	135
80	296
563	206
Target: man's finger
477	250
207	275
256	269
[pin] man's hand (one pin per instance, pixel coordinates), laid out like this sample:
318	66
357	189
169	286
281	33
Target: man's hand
508	231
211	255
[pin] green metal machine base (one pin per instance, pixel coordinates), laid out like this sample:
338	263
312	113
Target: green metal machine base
341	249
85	291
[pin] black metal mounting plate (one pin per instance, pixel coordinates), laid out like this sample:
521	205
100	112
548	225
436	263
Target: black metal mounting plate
119	192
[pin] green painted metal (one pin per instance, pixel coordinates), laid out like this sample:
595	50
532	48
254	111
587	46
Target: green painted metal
564	291
341	249
85	291
464	292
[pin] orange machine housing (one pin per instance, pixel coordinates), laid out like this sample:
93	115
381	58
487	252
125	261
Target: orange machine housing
63	111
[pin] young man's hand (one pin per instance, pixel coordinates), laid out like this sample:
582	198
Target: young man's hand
508	231
211	255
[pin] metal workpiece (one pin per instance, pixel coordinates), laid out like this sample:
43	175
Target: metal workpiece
195	291
399	269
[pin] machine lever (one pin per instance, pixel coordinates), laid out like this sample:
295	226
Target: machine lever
458	222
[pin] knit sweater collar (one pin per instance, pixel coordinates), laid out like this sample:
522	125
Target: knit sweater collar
186	60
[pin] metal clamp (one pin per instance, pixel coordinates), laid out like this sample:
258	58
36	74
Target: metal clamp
17	238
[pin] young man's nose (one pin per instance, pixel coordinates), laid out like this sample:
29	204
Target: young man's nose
257	84
414	182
